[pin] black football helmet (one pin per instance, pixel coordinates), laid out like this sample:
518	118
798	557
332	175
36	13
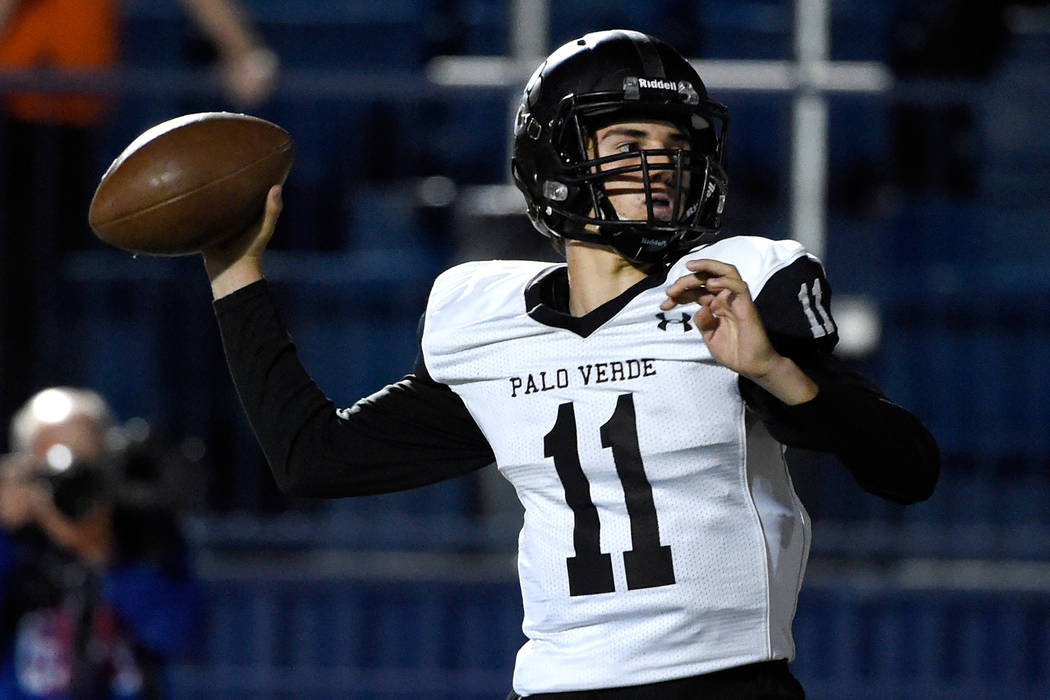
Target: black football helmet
590	82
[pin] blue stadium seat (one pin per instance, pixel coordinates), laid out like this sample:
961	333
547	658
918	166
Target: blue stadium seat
878	643
569	20
486	27
859	30
750	29
152	34
354	638
356	34
278	634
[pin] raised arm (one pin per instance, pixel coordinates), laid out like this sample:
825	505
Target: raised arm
411	433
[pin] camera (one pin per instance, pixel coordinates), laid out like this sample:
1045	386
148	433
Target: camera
76	486
129	476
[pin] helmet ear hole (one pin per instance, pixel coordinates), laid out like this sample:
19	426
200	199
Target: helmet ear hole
533	129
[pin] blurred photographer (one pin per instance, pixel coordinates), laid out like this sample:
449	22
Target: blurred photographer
96	593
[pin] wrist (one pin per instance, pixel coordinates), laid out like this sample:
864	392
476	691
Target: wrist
227	279
785	380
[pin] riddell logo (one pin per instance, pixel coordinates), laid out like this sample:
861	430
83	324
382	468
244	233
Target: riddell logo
657	84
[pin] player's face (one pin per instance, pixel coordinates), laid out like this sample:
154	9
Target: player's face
626	192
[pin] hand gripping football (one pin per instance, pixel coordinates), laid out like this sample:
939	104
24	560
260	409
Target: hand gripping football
190	182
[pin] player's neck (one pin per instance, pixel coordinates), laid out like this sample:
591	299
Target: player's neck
596	275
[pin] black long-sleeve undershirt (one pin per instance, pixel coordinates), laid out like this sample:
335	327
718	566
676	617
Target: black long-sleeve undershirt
889	452
416	431
411	433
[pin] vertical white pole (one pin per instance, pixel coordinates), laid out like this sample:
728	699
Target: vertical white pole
530	20
809	160
530	24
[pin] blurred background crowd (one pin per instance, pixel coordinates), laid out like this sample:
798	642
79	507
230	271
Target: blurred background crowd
904	141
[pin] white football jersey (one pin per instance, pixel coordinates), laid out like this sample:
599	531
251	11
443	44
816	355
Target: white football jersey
662	537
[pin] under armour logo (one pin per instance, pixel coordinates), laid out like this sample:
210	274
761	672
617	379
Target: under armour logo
664	321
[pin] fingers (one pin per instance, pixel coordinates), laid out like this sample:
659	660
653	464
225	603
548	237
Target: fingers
710	278
689	290
237	263
721	305
706	319
712	268
253	239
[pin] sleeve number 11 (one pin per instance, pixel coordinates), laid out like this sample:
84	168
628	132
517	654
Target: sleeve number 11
647	564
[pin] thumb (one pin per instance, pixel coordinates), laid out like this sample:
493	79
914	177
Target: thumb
272	211
705	319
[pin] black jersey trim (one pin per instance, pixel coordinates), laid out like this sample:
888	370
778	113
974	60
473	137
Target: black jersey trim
547	301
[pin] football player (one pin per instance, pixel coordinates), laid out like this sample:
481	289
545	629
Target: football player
638	397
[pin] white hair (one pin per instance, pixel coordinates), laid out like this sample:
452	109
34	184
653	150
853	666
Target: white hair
57	405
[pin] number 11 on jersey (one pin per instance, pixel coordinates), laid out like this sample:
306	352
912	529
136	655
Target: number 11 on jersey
647	564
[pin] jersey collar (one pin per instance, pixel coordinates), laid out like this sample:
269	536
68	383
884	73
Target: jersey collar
547	301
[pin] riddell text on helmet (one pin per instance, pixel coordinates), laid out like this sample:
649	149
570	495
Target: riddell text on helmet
657	84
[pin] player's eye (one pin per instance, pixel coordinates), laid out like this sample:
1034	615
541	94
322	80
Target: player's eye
628	147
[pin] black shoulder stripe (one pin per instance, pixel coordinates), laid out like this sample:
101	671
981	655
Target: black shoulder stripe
795	306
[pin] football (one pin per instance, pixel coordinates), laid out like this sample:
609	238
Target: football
190	182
